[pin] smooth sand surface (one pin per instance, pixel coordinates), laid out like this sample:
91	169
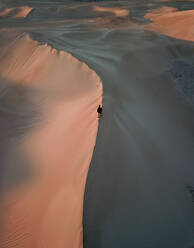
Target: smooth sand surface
135	193
51	99
176	24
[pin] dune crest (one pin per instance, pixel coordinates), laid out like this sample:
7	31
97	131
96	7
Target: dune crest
114	10
159	12
19	12
47	210
169	21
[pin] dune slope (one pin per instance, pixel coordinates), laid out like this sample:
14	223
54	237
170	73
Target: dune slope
43	208
168	21
18	12
139	190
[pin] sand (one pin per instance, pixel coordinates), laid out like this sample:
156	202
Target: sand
19	12
119	12
171	22
139	187
135	193
45	208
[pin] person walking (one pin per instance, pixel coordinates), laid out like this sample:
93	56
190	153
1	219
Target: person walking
99	111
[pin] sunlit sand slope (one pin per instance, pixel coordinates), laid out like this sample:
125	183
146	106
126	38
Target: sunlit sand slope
19	12
45	208
119	12
177	24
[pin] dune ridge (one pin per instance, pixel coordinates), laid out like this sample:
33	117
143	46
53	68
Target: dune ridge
46	211
119	12
18	12
169	21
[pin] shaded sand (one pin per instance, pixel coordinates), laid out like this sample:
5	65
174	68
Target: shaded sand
176	24
135	193
79	11
19	12
45	208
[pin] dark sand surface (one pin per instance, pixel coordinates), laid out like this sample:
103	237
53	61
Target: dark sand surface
138	184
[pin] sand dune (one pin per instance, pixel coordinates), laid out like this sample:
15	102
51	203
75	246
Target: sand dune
46	210
119	12
139	188
19	12
168	21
